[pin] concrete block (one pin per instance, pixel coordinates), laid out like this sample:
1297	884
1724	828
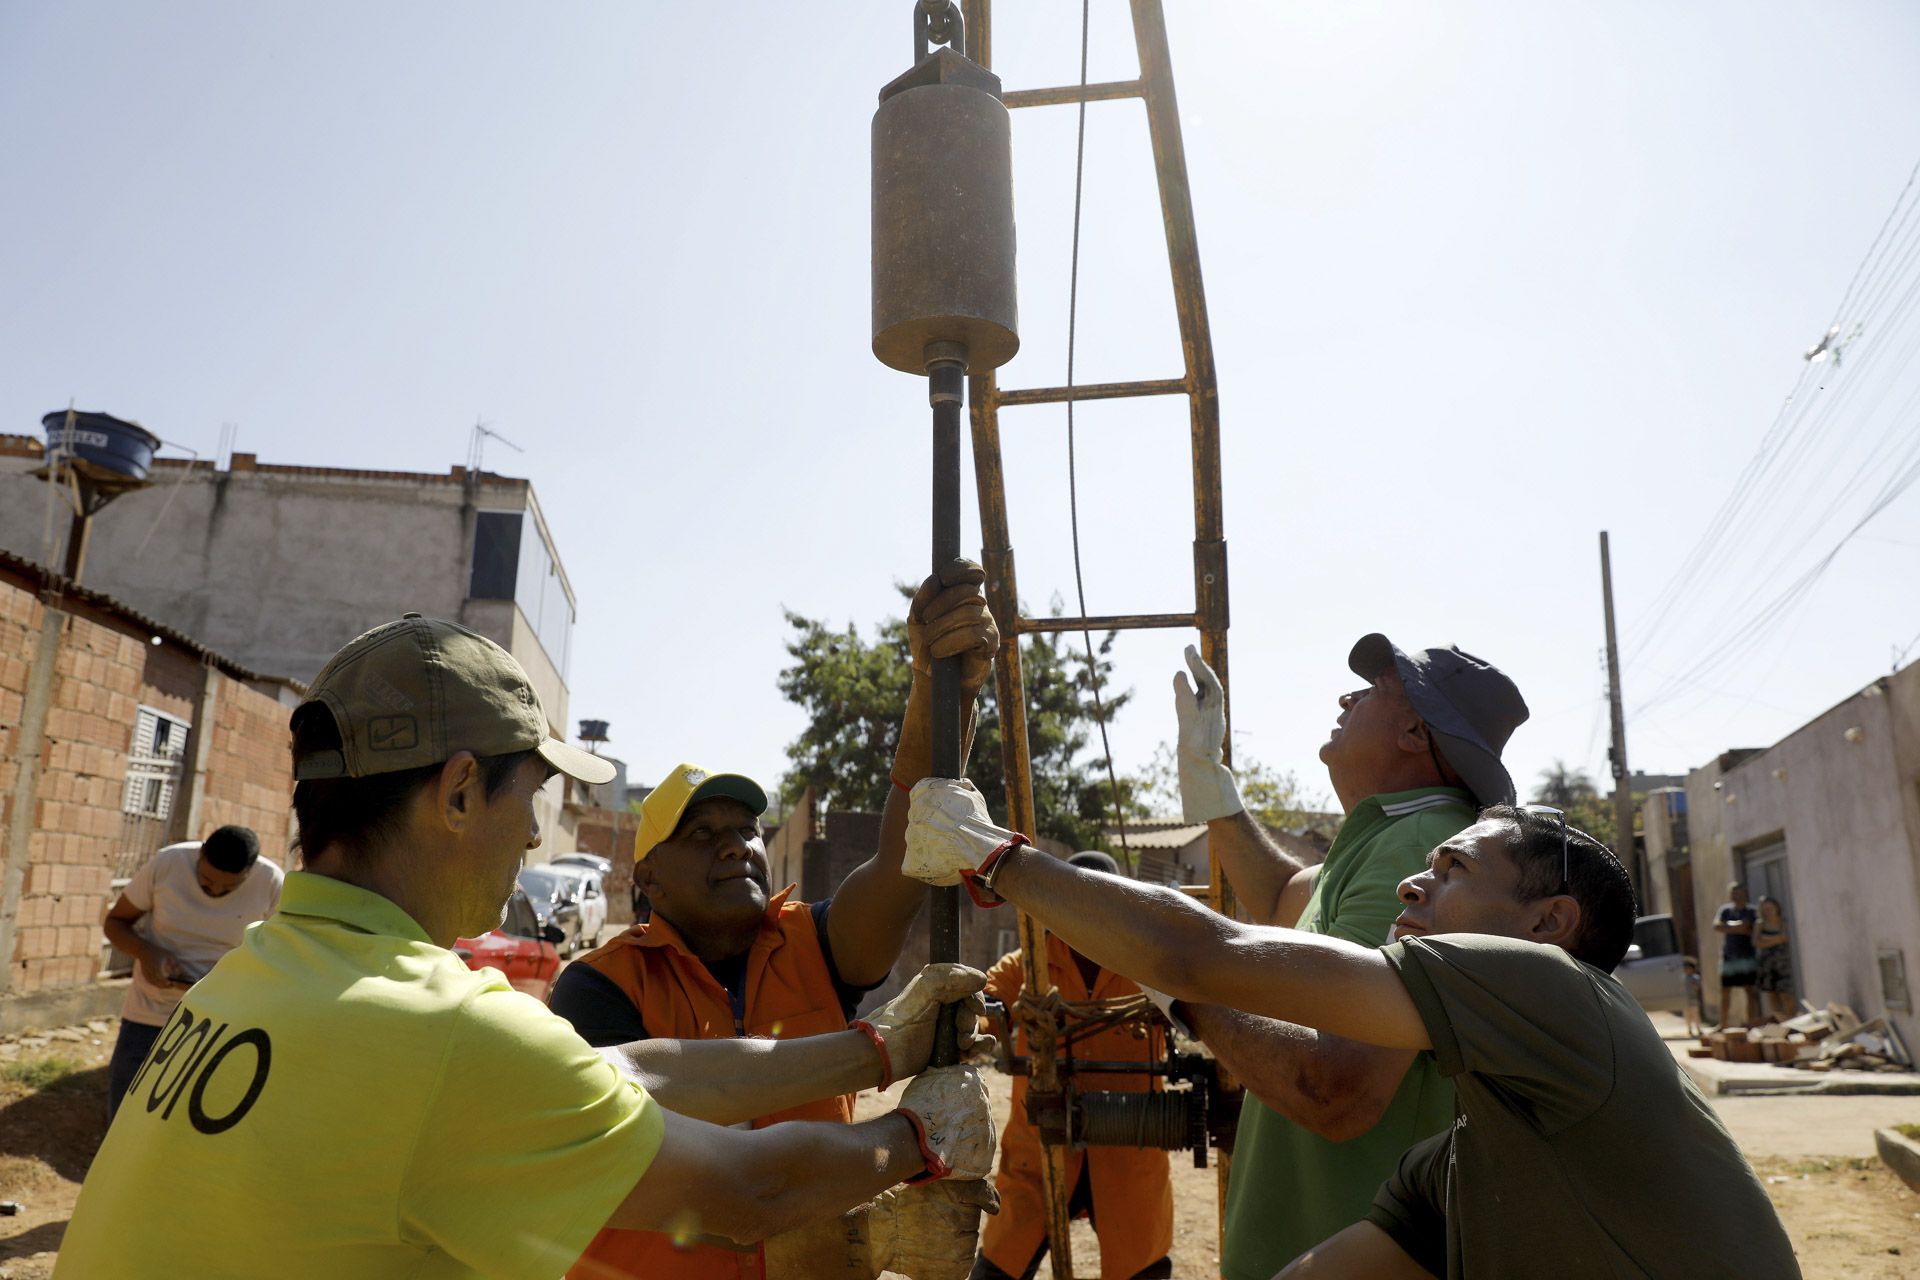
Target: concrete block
1900	1154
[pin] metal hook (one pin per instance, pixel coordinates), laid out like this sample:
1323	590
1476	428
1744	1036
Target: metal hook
937	22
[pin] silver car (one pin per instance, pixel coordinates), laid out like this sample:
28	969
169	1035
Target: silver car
1652	970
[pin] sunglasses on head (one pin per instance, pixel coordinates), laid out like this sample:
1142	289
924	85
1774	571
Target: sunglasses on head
1566	864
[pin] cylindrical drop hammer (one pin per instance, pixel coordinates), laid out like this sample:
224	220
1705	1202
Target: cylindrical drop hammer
944	300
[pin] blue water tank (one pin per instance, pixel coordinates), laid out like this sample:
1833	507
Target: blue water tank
103	443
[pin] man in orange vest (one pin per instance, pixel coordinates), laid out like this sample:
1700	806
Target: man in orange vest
725	956
1124	1190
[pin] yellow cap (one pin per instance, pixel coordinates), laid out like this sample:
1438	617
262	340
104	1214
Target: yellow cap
689	784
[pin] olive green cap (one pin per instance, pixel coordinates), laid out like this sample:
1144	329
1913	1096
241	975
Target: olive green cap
411	693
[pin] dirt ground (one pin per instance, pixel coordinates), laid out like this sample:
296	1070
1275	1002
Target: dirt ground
1848	1216
48	1136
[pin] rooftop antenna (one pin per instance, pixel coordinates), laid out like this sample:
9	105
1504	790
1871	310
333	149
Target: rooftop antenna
477	446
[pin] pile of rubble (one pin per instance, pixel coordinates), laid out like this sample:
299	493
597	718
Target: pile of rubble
94	1032
1830	1039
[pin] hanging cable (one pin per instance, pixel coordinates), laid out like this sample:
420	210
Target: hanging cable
1073	489
1804	418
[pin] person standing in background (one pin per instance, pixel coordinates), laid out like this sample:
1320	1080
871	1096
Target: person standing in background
1773	960
1739	966
186	907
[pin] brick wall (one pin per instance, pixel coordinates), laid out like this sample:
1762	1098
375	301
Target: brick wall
610	834
106	666
250	769
76	828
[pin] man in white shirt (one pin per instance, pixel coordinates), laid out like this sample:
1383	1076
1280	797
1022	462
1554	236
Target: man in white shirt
184	909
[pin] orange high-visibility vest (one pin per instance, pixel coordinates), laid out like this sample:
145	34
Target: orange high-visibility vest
1132	1192
789	994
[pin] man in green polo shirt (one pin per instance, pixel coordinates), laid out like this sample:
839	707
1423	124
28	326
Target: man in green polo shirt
341	1096
1412	757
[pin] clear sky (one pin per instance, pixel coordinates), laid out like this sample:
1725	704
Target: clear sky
1485	278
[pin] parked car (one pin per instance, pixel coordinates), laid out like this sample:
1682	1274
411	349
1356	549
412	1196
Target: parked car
593	899
521	949
577	859
556	901
1651	971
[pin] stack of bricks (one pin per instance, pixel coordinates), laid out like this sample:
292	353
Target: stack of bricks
249	768
76	827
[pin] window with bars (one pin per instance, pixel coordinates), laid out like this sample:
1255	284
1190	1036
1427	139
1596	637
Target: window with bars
154	763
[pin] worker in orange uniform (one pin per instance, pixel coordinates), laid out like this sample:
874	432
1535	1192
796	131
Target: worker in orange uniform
1124	1190
724	955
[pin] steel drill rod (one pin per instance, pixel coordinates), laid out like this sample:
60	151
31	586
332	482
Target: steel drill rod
944	382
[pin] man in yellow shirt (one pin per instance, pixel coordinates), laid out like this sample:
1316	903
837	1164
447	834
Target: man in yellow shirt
341	1096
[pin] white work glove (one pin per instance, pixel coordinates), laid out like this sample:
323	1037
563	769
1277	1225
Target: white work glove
903	1027
950	837
928	1232
949	1110
1207	788
1164	1003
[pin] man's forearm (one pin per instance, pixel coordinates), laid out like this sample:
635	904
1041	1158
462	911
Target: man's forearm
1161	939
748	1185
727	1081
1338	1088
1255	865
876	905
816	1170
122	935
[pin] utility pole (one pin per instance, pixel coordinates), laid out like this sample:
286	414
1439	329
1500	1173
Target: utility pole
1623	847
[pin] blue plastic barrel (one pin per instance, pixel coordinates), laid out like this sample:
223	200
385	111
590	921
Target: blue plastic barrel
125	448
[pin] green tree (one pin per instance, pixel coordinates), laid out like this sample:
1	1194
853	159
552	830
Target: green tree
1573	792
1275	797
855	692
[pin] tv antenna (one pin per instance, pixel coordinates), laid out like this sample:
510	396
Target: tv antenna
476	447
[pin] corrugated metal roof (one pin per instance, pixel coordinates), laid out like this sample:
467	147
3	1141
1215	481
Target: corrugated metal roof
1151	833
56	586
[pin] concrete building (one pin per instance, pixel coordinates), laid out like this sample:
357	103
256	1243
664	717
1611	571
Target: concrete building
278	566
118	735
1827	820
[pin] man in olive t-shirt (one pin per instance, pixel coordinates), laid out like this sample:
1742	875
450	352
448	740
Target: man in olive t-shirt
1578	1140
1579	1149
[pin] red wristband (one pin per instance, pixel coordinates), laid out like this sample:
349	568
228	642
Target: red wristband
986	866
936	1167
896	782
886	1063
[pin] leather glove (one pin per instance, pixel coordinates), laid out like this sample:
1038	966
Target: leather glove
928	1232
932	1231
1207	788
948	1107
950	836
904	1025
1164	1003
839	1248
949	618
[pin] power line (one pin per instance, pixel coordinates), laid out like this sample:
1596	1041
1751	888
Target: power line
1073	488
1802	422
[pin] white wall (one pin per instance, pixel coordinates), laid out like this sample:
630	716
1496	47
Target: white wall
1843	809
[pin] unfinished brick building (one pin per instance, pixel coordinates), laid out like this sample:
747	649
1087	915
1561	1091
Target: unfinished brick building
117	737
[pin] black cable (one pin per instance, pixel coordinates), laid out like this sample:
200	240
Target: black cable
1073	495
1785	442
